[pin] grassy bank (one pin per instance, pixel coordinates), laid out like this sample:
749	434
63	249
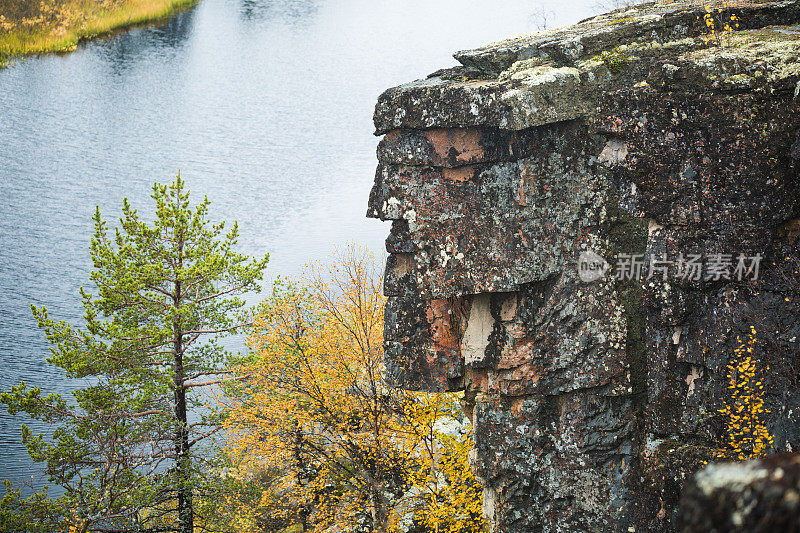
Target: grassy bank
38	26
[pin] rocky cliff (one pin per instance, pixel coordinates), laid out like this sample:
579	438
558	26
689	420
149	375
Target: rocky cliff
589	225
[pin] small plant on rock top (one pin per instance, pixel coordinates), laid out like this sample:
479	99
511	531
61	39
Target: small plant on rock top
717	25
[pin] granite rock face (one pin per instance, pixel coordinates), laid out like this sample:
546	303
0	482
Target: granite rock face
517	186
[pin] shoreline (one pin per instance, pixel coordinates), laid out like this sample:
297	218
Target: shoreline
89	20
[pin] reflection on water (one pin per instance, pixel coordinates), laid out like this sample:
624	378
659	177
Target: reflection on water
264	105
129	47
299	12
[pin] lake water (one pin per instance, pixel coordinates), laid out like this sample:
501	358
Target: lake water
264	106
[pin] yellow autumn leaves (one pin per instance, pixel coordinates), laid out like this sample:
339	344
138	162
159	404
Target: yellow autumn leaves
744	411
345	451
444	490
717	25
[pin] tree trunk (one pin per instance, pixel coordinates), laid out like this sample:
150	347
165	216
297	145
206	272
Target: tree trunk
185	509
302	472
380	514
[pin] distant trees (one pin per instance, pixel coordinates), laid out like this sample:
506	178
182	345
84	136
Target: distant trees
351	453
124	448
603	6
541	18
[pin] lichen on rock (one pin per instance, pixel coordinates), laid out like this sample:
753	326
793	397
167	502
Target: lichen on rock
596	398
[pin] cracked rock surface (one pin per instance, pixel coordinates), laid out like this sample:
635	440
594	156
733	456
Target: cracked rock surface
594	400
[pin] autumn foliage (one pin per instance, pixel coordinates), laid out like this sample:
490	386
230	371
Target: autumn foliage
744	413
717	24
349	453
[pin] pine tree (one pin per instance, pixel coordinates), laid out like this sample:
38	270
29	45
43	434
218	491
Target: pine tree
124	450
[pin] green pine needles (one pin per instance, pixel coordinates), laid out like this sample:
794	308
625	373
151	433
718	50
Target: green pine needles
124	449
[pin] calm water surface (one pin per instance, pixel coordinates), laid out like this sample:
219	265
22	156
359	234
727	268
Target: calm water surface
264	106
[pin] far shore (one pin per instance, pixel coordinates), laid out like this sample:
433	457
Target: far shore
29	27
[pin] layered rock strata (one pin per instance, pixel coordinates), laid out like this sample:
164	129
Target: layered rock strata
529	187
